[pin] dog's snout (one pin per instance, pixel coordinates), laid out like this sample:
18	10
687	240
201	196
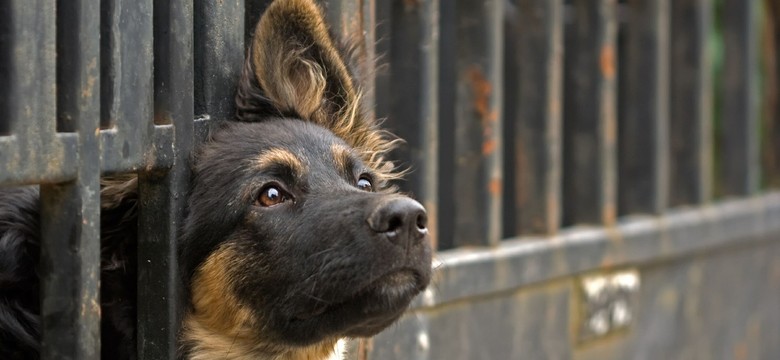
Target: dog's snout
400	219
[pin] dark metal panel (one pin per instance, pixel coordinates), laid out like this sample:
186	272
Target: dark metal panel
412	95
532	323
28	73
478	148
590	128
771	98
219	43
704	307
468	272
163	195
643	151
690	121
70	212
534	72
126	82
694	307
738	138
354	24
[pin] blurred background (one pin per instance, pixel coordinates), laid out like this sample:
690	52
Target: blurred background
601	176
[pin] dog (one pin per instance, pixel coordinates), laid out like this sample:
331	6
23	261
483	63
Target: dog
294	237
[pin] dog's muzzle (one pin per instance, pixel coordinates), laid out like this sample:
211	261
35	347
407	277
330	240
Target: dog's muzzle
401	220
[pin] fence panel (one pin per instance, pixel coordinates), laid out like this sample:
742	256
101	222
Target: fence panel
590	114
643	159
523	119
533	111
690	120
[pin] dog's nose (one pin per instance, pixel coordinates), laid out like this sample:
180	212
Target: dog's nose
401	219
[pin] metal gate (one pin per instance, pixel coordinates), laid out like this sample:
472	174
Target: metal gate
553	142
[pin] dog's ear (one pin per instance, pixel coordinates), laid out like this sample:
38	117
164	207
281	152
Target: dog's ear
295	69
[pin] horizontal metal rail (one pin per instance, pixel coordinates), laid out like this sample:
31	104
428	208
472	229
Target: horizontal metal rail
470	273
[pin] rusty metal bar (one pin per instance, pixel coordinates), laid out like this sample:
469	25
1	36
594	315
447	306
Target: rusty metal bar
33	152
690	122
126	83
534	70
738	138
412	93
219	43
643	151
771	90
354	23
163	195
70	212
477	174
589	175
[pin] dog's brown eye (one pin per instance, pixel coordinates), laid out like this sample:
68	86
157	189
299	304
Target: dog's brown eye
365	184
271	196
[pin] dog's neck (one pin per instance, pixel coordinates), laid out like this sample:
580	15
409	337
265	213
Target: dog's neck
202	342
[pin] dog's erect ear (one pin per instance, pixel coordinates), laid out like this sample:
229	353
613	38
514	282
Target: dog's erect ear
296	63
295	69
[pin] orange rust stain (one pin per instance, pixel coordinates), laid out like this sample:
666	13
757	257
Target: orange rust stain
607	61
740	351
494	187
488	146
481	88
609	214
553	213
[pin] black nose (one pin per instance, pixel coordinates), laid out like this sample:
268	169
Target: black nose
401	219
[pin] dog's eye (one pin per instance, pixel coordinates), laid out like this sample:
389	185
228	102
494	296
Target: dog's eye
271	195
365	184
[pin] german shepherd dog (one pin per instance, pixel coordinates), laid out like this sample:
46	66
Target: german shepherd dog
294	237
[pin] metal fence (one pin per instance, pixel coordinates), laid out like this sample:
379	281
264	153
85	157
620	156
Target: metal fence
537	132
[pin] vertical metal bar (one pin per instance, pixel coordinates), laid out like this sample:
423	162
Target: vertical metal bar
163	196
6	68
690	126
219	43
643	153
478	118
534	141
126	82
589	178
739	164
447	94
412	96
771	150
354	23
70	212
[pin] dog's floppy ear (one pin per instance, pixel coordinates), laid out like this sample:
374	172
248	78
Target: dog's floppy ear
295	69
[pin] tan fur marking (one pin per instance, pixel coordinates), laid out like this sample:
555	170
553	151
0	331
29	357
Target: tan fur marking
221	327
341	156
277	156
118	188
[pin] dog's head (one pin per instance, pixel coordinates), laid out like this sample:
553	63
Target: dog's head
294	235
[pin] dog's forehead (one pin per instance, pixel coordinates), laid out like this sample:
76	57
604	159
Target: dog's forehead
309	143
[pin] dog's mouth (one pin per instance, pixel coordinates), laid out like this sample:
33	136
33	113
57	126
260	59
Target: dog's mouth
387	294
